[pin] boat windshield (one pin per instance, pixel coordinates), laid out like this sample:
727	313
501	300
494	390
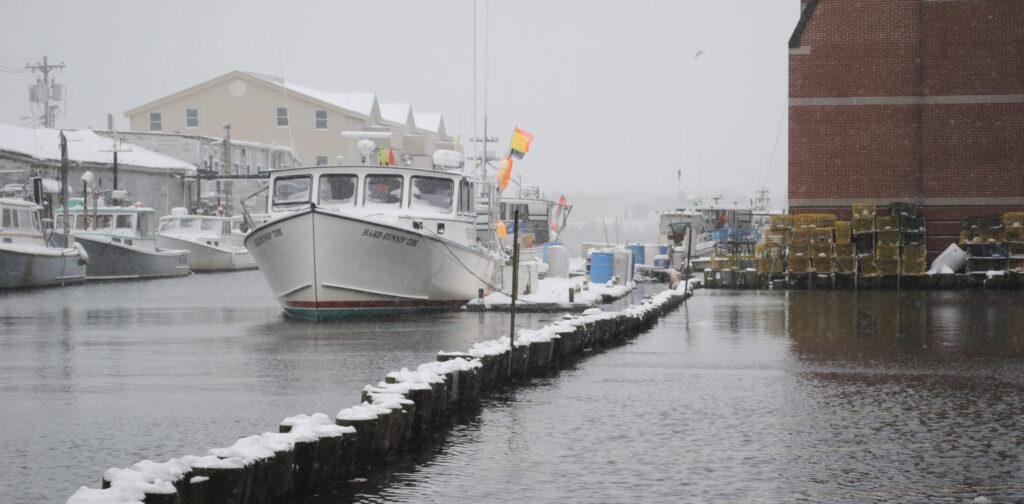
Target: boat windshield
293	190
124	223
431	193
383	191
337	190
211	226
20	218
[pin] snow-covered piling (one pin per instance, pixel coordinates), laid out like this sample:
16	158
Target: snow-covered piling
398	414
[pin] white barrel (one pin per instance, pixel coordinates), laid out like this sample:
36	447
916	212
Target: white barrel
558	261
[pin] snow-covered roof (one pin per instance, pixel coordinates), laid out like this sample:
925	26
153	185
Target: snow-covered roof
395	112
84	146
428	121
361	103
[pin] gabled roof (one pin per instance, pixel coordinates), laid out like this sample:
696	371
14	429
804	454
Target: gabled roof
84	146
360	103
431	122
398	113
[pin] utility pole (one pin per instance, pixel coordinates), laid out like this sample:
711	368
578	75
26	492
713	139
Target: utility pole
45	91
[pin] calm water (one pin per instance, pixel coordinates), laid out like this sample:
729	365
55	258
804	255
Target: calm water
760	397
737	397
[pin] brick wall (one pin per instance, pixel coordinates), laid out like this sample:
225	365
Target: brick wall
869	121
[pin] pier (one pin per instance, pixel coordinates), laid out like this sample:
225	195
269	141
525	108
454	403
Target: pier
396	415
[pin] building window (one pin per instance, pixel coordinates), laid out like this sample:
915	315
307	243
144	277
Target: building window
282	116
192	118
321	119
155	122
321	160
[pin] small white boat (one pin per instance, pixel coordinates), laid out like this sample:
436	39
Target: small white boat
685	232
26	259
213	242
119	241
356	240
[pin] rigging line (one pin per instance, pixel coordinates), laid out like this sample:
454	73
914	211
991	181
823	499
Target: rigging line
471	272
778	133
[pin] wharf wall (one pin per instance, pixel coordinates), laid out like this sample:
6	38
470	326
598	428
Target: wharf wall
403	412
850	281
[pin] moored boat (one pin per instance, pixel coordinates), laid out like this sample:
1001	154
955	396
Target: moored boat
26	259
119	241
214	244
541	220
356	240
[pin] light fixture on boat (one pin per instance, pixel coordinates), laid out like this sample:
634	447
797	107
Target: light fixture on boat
366	147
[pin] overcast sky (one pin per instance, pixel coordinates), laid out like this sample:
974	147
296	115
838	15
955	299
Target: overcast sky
620	95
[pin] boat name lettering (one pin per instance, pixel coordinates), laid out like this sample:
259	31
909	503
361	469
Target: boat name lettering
265	237
391	237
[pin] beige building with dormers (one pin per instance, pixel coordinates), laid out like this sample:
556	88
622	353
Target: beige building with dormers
321	127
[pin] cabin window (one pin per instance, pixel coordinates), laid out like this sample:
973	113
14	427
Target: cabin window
103	222
10	218
192	118
207	225
466	192
320	119
25	219
83	222
538	211
292	190
282	116
168	225
338	190
383	191
431	193
155	121
123	223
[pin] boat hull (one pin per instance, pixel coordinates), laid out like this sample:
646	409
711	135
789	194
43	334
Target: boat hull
322	265
115	260
203	257
39	266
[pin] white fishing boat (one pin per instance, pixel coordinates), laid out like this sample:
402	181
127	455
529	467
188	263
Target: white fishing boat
119	241
26	259
353	240
213	242
540	221
684	231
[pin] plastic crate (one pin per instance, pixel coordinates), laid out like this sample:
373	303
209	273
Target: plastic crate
861	225
887	223
986	250
822	235
891	238
780	222
800	237
1013	220
899	208
868	266
768	250
799	264
864	243
914	253
911	224
1014	234
864	210
719	263
887	252
842	231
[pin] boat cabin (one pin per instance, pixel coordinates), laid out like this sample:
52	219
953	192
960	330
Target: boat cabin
132	222
19	219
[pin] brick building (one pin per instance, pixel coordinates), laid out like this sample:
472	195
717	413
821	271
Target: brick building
920	101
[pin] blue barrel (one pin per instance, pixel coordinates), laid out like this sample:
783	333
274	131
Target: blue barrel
602	266
661	261
663	250
638	253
